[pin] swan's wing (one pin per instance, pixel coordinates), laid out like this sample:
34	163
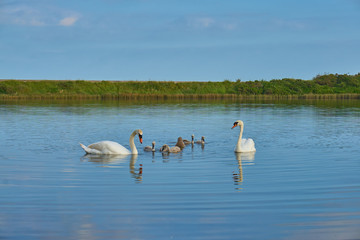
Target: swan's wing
89	150
248	145
109	147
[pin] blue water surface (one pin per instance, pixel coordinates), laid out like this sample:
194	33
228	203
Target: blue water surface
302	183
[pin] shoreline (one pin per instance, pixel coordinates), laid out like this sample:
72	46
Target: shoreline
345	96
331	86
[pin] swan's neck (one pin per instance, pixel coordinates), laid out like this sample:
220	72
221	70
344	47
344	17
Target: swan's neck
132	144
238	145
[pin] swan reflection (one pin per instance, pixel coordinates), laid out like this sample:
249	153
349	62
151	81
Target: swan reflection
246	157
113	161
105	159
242	158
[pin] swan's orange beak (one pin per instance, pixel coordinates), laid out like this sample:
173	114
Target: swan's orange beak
234	126
140	138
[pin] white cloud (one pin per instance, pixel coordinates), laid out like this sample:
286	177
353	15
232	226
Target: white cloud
21	15
202	22
209	23
289	24
229	26
36	22
68	21
37	15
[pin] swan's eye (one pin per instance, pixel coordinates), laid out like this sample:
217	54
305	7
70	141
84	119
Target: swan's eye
235	123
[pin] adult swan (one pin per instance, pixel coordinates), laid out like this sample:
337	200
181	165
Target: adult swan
109	147
243	145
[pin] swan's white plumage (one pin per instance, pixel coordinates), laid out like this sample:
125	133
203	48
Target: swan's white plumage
247	145
106	147
243	145
110	147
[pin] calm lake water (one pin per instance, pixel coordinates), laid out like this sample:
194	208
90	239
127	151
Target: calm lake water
303	182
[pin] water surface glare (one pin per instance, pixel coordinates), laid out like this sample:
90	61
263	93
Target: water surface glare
302	183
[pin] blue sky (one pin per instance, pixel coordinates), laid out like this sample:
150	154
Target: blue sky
178	40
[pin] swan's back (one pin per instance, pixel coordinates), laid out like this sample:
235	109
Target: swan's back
247	145
109	147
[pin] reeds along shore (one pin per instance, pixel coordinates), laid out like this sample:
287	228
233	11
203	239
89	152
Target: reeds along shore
331	86
182	97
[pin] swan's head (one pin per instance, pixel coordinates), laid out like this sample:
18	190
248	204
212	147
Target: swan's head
238	123
153	144
165	148
139	132
203	138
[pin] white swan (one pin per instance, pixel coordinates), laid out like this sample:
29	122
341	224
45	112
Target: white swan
166	148
150	149
109	147
243	145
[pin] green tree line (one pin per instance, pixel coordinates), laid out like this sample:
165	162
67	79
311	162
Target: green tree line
321	84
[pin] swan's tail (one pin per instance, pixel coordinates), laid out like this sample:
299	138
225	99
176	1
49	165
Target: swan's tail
84	147
89	150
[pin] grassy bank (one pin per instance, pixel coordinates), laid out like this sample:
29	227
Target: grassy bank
320	87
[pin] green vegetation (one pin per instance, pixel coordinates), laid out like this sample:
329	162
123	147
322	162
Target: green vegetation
322	86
